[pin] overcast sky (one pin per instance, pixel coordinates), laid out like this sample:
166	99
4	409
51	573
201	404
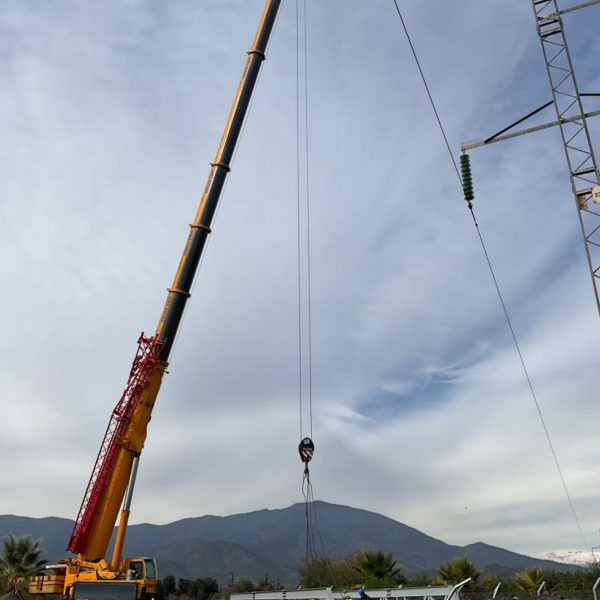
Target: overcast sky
110	114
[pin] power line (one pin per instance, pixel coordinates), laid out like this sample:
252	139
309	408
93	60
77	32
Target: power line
529	383
496	285
437	116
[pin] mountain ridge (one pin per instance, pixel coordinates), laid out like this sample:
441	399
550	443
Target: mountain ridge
272	541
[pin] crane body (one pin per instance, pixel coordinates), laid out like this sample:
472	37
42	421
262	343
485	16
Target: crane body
90	575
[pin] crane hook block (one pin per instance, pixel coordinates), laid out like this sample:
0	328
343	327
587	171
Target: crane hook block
306	450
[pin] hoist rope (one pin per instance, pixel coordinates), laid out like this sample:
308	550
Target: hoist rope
497	286
307	492
299	247
312	524
308	257
306	445
308	297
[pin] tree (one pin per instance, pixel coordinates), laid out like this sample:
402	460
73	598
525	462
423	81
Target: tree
204	587
267	584
490	582
19	561
239	586
530	579
340	572
316	573
456	570
378	569
169	585
184	587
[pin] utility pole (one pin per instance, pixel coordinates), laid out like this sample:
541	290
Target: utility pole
572	122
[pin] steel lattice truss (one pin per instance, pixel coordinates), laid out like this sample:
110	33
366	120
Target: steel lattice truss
577	143
141	370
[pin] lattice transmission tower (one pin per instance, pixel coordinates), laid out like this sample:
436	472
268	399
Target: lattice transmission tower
573	125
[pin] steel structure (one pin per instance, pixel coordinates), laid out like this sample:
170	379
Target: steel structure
502	135
574	131
145	360
435	592
573	125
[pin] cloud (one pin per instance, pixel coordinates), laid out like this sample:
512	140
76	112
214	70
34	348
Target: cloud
419	405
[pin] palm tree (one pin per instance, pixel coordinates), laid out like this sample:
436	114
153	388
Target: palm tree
456	570
530	579
378	569
19	562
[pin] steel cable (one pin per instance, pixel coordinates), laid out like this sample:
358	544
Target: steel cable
496	285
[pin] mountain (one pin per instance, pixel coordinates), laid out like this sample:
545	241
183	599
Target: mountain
249	545
53	530
498	561
581	558
183	559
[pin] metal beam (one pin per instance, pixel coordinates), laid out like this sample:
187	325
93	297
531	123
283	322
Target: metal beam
527	116
576	7
399	593
499	138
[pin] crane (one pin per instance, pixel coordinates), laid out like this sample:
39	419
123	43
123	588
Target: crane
90	575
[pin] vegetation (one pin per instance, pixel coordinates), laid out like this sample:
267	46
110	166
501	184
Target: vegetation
202	588
371	568
237	586
19	561
378	569
530	580
207	588
558	585
339	572
456	570
344	573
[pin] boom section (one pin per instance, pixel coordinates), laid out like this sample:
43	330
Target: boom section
179	292
125	439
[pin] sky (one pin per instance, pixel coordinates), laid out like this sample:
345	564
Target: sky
111	113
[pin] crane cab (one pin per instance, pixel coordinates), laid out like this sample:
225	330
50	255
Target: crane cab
144	573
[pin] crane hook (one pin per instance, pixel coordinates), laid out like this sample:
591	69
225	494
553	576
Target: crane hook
306	448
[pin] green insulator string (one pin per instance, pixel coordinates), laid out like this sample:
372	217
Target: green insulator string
467	180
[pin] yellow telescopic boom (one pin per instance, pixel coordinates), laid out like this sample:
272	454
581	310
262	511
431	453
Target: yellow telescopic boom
114	471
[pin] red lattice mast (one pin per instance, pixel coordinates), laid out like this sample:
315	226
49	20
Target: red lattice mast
145	359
